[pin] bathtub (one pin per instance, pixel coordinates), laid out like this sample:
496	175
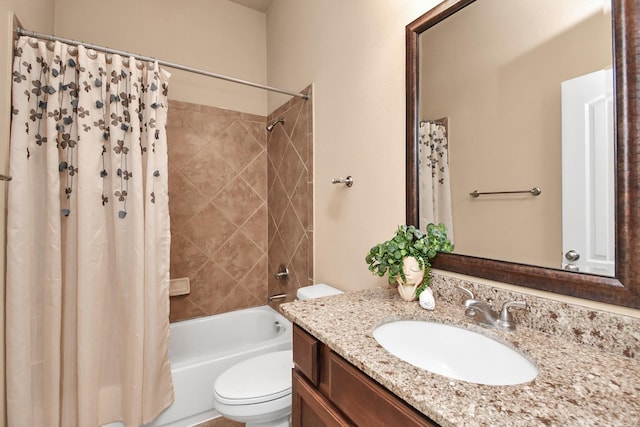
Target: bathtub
201	349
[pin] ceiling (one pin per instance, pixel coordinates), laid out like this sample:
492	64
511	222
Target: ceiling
259	5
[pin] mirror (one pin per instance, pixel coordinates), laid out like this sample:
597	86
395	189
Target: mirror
623	288
491	105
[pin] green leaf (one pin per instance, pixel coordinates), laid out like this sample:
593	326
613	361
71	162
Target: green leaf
387	257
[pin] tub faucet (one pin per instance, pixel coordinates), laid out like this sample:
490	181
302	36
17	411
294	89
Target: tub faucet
483	314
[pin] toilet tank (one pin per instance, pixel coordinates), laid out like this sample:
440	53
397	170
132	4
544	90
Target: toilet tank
316	291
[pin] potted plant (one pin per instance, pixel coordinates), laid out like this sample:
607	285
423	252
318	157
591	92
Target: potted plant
405	258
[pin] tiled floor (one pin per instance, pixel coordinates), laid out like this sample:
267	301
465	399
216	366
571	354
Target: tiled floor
220	422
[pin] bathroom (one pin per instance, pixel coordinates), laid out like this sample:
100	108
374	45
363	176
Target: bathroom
353	55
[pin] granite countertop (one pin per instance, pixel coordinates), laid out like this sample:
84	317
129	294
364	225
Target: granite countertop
577	385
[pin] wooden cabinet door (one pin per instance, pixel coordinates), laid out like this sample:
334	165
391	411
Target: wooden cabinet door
329	392
366	402
311	409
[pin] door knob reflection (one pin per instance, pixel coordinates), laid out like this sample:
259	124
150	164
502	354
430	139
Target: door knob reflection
572	255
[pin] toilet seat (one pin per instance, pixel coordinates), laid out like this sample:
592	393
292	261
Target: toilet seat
262	378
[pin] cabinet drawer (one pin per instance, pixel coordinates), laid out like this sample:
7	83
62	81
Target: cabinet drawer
366	402
306	351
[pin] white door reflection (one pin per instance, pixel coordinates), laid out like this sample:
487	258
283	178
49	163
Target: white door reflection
588	174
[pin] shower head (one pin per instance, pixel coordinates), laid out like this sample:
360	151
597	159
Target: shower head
273	124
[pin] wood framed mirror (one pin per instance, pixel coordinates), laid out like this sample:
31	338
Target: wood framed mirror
624	287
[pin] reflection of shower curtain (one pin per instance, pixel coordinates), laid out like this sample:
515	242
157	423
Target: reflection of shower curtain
434	187
88	240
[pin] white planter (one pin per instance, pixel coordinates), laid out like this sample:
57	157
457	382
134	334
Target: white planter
408	292
414	275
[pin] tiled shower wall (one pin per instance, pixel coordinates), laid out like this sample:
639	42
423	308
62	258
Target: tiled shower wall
218	208
239	205
290	181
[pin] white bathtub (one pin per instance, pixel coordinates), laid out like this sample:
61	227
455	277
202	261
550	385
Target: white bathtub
201	349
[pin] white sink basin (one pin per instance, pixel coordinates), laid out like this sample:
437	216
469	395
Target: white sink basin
455	352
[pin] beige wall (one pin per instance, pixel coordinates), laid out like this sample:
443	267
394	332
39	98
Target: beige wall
38	15
353	53
217	36
502	98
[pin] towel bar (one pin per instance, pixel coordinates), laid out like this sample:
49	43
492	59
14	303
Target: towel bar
535	191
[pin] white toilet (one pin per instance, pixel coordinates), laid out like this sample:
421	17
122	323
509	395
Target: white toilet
257	391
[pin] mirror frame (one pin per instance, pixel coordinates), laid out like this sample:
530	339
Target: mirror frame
624	288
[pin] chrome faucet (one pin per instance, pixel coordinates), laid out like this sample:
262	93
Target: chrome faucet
483	314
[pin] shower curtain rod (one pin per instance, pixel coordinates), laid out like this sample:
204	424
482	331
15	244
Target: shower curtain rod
23	32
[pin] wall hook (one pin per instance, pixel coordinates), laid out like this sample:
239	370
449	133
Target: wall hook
348	181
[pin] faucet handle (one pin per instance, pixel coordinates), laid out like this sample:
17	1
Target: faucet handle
466	291
506	318
469	312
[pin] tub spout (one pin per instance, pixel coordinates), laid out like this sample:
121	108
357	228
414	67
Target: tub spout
277	297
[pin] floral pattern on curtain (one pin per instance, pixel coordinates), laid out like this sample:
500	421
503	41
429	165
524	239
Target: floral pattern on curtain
87	239
434	188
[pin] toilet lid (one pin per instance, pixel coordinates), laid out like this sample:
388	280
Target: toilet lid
258	379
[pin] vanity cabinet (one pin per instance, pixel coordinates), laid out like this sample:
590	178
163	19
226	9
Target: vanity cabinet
329	391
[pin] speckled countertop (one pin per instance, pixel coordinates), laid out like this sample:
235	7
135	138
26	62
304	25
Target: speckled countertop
577	384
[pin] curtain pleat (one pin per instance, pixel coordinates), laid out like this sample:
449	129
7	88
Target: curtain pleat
88	239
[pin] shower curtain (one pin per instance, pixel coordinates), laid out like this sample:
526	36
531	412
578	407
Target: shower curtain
87	239
434	188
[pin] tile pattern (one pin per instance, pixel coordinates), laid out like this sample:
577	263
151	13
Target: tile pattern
290	189
577	384
218	208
